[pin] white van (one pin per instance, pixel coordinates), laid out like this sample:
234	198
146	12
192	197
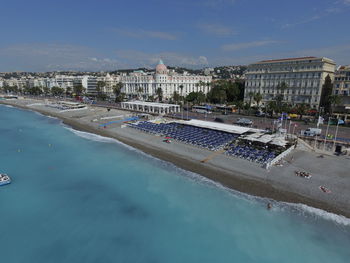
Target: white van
312	132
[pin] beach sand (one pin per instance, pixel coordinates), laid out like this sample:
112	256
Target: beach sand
278	183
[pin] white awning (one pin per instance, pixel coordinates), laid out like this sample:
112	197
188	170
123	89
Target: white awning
150	104
217	126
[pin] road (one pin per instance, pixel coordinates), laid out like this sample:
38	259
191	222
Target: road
268	123
259	122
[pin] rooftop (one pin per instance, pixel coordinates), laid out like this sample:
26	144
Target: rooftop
152	104
217	126
286	59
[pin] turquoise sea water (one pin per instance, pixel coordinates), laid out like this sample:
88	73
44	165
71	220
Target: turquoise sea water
78	197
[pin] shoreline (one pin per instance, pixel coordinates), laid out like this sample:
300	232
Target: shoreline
233	179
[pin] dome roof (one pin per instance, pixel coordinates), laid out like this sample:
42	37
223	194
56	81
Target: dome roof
161	68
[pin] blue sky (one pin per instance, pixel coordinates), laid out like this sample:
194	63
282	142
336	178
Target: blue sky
50	35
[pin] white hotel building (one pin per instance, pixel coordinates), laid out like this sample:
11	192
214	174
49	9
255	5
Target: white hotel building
140	83
304	78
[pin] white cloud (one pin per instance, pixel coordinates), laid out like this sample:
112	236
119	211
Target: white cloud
49	57
142	59
216	29
140	33
337	7
301	22
218	3
246	45
340	54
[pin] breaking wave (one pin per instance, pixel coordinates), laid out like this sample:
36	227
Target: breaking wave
296	208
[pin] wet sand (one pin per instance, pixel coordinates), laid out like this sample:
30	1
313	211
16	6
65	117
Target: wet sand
278	183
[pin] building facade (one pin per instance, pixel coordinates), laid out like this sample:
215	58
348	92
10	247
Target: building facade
342	81
145	85
303	79
341	87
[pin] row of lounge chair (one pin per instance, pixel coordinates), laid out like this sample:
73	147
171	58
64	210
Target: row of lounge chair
206	138
251	153
209	139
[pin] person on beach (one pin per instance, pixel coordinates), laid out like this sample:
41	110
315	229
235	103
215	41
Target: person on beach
269	206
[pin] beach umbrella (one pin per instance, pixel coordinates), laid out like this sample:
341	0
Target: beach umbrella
167	137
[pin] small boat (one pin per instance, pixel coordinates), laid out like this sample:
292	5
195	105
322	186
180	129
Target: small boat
4	179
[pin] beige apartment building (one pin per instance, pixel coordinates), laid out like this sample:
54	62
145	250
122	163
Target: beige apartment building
304	78
342	88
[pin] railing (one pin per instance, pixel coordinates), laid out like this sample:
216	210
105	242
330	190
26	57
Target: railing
279	157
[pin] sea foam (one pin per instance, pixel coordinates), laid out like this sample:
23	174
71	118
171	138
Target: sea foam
7	106
300	209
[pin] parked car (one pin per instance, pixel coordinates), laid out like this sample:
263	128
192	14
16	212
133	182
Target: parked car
219	120
293	115
260	114
244	122
312	132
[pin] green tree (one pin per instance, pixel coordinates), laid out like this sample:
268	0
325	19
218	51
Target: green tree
46	91
10	89
217	94
281	89
258	98
279	103
57	91
196	97
78	89
325	94
139	92
68	91
176	97
239	105
301	109
232	91
271	107
251	96
100	85
117	91
334	100
181	89
35	91
159	93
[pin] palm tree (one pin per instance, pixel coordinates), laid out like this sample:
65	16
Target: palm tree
68	91
282	88
117	90
181	88
301	109
239	105
99	87
258	97
140	91
334	100
176	96
271	107
78	89
159	93
250	95
279	103
197	85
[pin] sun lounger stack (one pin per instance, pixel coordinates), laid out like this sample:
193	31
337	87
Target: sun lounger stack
251	153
